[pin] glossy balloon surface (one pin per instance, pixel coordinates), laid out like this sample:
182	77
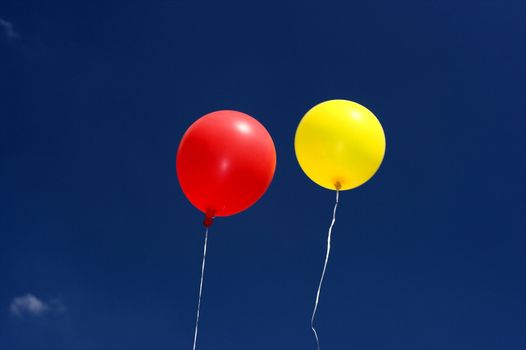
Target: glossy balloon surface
339	143
225	162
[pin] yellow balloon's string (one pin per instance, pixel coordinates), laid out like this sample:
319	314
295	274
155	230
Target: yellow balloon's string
200	288
325	265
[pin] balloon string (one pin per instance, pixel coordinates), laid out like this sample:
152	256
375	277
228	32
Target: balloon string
324	269
200	289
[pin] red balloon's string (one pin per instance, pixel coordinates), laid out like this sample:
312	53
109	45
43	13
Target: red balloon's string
201	288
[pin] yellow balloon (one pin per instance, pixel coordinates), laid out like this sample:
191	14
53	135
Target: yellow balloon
339	144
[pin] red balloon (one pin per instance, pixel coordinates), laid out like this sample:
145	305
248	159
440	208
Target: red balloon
225	162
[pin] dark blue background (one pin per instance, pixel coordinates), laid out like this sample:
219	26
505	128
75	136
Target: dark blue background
95	96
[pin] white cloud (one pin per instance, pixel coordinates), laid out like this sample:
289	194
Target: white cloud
7	28
33	306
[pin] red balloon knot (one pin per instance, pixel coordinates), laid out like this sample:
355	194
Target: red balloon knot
209	218
208	222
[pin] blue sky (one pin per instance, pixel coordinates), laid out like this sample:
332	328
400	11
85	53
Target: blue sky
99	249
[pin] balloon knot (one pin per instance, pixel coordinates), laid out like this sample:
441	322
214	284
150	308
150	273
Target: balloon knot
338	185
208	222
209	218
